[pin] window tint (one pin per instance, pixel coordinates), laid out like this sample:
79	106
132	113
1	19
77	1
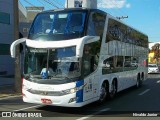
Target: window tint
119	64
96	24
152	65
90	57
58	25
130	63
121	32
112	65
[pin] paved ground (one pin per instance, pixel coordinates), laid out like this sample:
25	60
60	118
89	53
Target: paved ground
6	86
126	103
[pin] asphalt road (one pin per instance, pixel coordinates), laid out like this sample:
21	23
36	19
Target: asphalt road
128	104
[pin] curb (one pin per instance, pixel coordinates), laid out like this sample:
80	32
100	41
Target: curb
6	91
9	96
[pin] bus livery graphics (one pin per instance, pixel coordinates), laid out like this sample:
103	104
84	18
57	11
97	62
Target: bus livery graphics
73	57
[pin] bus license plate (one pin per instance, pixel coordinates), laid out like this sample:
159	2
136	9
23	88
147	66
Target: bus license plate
46	101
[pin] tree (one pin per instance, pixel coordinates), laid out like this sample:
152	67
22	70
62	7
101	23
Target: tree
156	50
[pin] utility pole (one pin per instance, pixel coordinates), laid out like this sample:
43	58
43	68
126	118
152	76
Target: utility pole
18	82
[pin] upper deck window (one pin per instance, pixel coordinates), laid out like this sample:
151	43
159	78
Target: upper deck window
58	25
96	24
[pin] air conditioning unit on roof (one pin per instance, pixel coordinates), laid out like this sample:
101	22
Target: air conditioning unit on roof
81	3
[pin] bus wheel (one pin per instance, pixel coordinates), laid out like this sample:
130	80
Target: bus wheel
142	79
103	93
138	82
113	90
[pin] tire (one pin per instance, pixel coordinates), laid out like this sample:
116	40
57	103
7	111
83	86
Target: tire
142	79
138	82
103	93
113	90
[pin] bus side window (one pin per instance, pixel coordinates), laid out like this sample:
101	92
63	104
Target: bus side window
108	63
91	57
112	65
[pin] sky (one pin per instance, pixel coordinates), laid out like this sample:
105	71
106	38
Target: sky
143	15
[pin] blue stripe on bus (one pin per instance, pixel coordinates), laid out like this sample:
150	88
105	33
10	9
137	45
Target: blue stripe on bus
79	94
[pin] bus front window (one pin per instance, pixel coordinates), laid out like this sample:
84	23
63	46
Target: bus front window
51	63
58	26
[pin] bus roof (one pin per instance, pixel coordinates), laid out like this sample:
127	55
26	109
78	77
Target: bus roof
74	9
88	9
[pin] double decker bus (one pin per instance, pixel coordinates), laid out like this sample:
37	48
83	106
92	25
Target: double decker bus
73	57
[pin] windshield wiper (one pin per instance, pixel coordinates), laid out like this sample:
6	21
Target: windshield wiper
67	77
56	74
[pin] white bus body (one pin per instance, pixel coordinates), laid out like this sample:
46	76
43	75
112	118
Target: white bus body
88	63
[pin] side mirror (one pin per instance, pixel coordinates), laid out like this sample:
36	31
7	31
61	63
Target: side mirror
13	46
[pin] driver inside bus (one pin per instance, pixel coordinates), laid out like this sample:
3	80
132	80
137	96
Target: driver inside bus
87	60
44	72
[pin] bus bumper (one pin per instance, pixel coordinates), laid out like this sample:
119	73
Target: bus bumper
69	100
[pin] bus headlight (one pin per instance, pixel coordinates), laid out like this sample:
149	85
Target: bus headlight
73	90
70	91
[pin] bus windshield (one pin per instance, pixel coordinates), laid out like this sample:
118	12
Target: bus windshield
51	63
58	26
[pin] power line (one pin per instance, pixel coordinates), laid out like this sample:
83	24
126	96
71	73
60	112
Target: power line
47	1
59	3
43	4
29	3
53	3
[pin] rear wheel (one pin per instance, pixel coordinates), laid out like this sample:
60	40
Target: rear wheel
113	90
142	79
138	83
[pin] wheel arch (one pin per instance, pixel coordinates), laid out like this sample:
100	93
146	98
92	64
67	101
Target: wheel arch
105	81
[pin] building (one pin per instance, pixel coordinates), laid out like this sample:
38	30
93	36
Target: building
6	36
25	21
26	17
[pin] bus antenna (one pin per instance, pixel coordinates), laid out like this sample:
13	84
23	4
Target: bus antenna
122	17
